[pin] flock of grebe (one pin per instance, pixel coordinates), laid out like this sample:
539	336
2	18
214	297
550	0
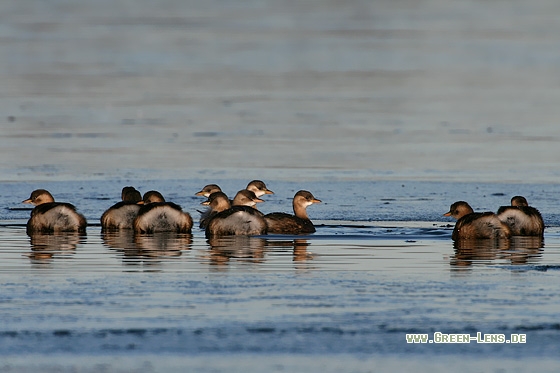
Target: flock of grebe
152	213
240	216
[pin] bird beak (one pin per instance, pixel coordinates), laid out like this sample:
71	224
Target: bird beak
140	202
205	203
315	200
447	214
258	200
201	193
27	201
268	192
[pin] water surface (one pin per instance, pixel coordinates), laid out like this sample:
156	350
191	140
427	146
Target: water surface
348	293
388	111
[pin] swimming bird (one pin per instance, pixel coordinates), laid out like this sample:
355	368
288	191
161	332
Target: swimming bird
240	219
157	215
130	193
208	189
259	188
522	219
246	197
282	223
217	202
472	224
122	214
50	216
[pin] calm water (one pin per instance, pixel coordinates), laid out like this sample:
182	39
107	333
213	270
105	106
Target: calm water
388	111
381	265
441	90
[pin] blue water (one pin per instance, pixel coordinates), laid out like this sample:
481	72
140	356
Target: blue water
358	102
381	265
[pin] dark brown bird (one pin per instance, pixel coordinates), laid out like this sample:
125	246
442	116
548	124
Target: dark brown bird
240	219
259	188
122	214
216	202
522	219
50	216
299	223
207	190
472	224
157	215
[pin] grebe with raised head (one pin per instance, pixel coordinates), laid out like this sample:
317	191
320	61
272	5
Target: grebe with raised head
299	223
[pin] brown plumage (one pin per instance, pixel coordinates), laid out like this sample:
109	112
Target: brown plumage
240	219
299	223
157	215
50	216
522	219
259	188
217	202
122	214
208	190
472	224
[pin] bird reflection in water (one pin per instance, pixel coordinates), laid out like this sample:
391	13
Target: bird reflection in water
163	244
240	248
518	250
525	249
299	248
46	246
300	251
146	248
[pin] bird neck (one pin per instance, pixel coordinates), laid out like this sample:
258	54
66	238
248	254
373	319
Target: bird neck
300	211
